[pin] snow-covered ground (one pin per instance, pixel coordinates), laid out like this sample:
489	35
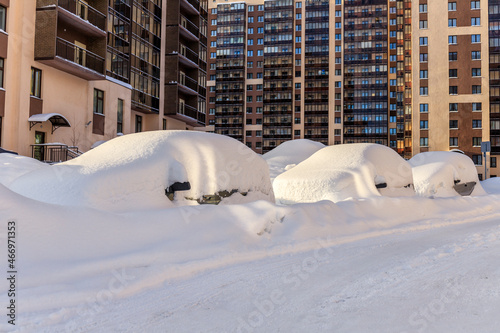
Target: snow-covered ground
375	264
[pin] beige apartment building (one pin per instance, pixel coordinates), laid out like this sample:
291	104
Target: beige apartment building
451	79
74	73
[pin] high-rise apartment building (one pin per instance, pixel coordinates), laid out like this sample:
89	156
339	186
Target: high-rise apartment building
330	71
454	79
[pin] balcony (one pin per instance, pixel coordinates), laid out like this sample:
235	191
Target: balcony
82	16
191	6
188	29
188	85
190	115
188	57
75	60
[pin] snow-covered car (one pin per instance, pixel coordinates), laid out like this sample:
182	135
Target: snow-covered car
153	170
341	172
445	174
290	153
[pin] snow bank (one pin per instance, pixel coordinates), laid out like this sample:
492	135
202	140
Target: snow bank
290	153
435	173
491	185
14	166
133	172
345	171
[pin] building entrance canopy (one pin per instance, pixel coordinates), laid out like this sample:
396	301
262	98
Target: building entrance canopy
57	120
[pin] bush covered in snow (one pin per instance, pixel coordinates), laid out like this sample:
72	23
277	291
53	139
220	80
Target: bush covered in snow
345	171
136	170
290	153
443	173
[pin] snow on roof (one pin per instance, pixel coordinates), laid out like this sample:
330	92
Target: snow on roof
344	171
290	153
435	173
134	170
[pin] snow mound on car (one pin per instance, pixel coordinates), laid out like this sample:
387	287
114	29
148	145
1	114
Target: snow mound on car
133	172
435	173
290	153
345	171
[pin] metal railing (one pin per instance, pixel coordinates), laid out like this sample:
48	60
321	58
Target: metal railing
81	56
85	12
54	152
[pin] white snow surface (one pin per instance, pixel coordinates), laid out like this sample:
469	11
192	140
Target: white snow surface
435	173
374	264
491	185
342	172
133	171
290	153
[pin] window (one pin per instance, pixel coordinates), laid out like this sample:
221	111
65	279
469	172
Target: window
260	52
213	77
452	56
423	41
298	50
298	4
477	123
249	99
164	123
453	107
338	120
475	38
422	8
424	124
423	24
452	6
297	132
260	41
98	101
250	8
214	10
138	124
211	111
476	142
259	87
452	22
453	124
475	5
119	116
452	39
258	110
298	27
453	73
424	91
476	72
476	55
214	22
213	33
249	87
250	53
260	18
250	42
260	8
298	16
213	44
1	71
477	159
213	55
424	142
423	58
453	90
250	31
250	19
475	21
259	75
297	85
424	74
453	141
3	16
36	82
424	108
260	30
493	162
477	107
476	89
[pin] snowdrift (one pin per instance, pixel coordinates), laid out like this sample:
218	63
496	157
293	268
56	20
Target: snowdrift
346	171
15	166
491	185
436	173
134	172
290	153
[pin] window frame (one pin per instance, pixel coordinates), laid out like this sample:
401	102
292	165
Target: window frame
98	99
36	83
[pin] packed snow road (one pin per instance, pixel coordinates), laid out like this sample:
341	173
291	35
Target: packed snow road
440	279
